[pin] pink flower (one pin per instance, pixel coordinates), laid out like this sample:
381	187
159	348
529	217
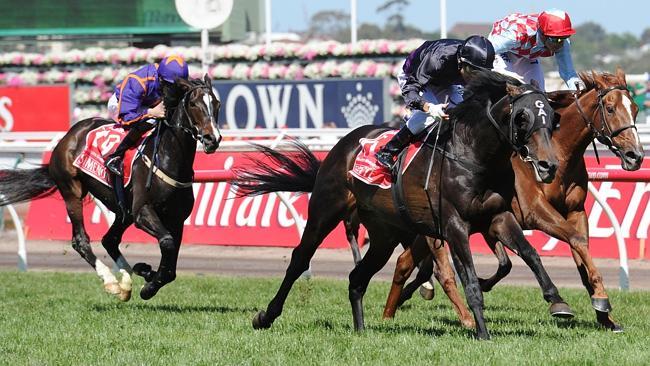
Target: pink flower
310	54
15	80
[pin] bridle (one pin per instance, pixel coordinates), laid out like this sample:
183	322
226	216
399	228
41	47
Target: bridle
192	130
605	135
513	137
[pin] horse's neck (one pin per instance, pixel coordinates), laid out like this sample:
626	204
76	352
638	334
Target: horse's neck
481	145
574	136
180	148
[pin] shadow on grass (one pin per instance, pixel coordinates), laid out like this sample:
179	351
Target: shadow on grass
179	309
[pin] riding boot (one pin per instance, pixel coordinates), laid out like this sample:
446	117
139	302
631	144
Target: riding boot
114	161
388	153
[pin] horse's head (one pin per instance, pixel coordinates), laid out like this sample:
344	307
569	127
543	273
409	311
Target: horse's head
197	112
613	120
531	120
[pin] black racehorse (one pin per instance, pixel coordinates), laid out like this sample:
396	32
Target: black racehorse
192	111
467	174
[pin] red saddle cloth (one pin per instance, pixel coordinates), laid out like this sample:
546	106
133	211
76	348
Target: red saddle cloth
368	170
100	143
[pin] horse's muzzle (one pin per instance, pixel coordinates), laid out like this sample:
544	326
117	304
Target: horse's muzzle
631	159
210	143
544	170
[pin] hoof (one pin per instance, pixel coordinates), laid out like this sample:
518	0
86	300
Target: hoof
112	288
426	291
601	304
148	291
124	295
144	270
260	321
561	310
468	323
606	321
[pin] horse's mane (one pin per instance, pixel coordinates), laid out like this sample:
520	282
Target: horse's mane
486	85
589	78
173	94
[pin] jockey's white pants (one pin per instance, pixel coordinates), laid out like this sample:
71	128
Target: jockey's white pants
526	68
419	120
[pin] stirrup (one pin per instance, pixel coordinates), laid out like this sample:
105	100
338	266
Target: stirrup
114	165
380	156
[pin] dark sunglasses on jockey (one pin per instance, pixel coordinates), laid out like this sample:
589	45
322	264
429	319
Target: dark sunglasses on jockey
556	40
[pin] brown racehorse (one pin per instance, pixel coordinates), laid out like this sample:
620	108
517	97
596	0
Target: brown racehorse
467	176
192	111
605	111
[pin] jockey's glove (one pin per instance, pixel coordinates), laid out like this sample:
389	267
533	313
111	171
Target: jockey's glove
437	111
571	83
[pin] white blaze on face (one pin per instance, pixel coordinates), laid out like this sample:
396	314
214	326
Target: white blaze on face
207	99
627	102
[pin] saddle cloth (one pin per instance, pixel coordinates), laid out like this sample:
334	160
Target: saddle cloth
100	143
368	170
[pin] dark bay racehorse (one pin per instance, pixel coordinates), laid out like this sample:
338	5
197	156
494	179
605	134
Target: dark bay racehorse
463	195
605	111
192	111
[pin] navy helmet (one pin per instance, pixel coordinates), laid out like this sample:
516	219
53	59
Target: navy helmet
477	51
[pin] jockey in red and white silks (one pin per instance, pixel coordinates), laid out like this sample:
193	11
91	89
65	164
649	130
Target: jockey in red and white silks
520	39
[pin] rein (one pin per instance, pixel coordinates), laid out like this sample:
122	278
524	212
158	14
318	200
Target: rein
605	135
192	130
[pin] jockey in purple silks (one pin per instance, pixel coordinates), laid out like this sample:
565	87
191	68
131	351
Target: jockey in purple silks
137	103
432	79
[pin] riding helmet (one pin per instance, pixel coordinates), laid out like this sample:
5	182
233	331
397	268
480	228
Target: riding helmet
477	51
555	23
173	67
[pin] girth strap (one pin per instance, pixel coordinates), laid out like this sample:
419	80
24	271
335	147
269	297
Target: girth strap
164	177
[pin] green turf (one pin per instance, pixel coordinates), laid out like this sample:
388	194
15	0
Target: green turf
61	318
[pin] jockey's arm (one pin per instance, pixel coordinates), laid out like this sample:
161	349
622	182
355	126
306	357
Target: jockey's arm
565	66
130	104
503	43
411	94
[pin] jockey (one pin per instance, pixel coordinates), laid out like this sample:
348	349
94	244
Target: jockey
519	40
432	80
137	103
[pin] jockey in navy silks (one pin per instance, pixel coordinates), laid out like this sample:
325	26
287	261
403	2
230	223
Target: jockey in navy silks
432	80
137	103
520	39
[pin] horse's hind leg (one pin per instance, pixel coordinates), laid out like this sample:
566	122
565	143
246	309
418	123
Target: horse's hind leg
325	211
383	241
416	252
111	242
73	194
351	223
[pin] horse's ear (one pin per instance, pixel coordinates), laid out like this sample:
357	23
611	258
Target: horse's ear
184	84
600	83
513	90
207	80
620	74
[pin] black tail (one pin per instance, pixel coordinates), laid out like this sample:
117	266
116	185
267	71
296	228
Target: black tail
17	185
289	171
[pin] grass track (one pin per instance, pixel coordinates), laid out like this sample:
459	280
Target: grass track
63	318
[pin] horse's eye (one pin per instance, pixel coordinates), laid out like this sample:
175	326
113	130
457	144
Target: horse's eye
610	109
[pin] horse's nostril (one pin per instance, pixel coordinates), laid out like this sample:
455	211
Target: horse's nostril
633	155
544	165
208	138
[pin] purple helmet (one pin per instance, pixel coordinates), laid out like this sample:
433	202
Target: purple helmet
173	67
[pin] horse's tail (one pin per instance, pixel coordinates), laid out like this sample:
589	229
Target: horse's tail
277	171
17	185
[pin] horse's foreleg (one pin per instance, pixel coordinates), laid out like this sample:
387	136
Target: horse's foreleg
505	228
591	277
458	239
505	265
447	279
111	242
147	219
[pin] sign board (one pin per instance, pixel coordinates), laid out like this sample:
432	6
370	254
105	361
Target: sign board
35	108
204	14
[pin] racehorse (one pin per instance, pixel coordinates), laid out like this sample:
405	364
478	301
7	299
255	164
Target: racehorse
499	115
191	116
604	111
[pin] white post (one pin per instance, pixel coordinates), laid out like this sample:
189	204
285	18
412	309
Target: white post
443	18
206	59
267	14
353	22
624	271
